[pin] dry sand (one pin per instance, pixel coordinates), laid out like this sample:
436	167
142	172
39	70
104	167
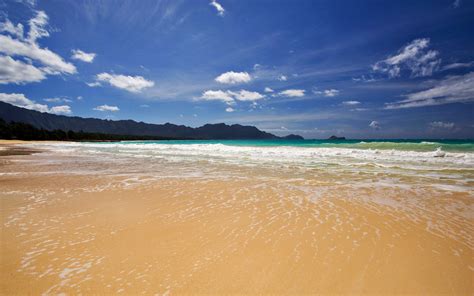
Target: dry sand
96	234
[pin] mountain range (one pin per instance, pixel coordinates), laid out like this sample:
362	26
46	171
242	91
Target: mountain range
219	131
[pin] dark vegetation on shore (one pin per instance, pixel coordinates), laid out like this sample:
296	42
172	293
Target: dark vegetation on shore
60	127
24	131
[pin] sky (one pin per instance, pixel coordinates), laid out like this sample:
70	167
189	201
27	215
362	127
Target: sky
360	69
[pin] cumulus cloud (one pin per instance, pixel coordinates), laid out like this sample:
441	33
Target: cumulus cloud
245	95
415	58
78	54
268	90
350	103
64	109
292	93
220	9
282	78
217	95
442	125
232	77
36	62
454	89
230	97
13	71
229	109
375	125
133	84
20	100
104	108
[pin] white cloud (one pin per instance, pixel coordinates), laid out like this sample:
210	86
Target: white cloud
220	9
327	93
13	71
268	90
282	78
229	109
60	110
94	84
104	108
232	77
9	27
229	97
454	89
331	92
78	54
37	27
245	95
443	125
292	93
458	66
14	43
57	100
350	103
414	57
20	100
217	95
375	125
130	83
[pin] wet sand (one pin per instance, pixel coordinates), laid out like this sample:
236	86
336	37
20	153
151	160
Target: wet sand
76	232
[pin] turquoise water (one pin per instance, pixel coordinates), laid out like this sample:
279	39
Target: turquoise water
402	145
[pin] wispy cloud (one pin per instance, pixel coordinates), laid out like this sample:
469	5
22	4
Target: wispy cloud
57	100
415	58
327	93
454	89
442	125
350	103
104	108
458	66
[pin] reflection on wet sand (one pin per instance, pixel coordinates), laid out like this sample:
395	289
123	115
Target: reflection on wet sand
85	228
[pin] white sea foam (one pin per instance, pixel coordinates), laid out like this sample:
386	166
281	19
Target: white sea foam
201	160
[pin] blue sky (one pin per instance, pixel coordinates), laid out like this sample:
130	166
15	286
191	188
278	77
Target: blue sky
363	69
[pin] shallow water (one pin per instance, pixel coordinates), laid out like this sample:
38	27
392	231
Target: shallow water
225	218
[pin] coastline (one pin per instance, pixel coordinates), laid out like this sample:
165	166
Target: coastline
83	219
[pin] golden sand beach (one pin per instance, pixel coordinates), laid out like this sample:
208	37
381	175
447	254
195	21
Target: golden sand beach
78	223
